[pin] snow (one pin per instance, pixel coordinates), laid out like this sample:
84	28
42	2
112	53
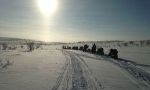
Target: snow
107	75
139	55
51	68
56	69
134	52
32	71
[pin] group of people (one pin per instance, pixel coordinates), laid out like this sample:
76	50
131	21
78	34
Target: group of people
113	53
93	50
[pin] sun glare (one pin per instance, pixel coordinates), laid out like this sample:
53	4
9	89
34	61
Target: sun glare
47	7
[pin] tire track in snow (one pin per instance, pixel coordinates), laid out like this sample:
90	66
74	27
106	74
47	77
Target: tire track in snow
76	75
89	81
95	80
142	77
79	81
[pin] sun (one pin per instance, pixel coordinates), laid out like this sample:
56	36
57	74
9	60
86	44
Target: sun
47	7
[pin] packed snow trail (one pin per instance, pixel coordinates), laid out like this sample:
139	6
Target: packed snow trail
64	70
82	78
78	75
131	67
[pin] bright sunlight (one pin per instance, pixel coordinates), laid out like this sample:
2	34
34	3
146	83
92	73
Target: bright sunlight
47	7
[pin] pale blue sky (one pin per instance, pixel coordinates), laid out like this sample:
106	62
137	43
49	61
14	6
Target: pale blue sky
77	20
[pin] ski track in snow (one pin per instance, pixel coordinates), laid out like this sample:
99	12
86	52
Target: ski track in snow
76	75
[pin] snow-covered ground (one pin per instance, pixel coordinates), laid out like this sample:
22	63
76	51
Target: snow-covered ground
56	69
139	55
36	70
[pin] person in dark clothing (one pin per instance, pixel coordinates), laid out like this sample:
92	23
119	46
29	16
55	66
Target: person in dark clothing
89	50
85	48
75	47
113	53
63	47
100	51
81	48
110	52
94	48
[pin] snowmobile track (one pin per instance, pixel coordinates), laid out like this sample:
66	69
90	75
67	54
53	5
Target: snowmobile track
76	75
61	75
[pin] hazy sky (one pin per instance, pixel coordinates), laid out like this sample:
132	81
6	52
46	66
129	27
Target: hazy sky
76	20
